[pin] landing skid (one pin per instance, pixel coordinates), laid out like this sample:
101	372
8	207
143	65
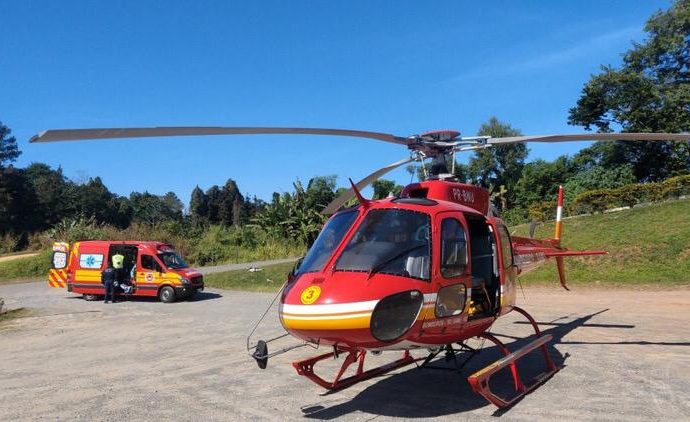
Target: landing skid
306	367
479	381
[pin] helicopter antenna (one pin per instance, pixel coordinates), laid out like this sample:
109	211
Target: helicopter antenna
360	198
452	168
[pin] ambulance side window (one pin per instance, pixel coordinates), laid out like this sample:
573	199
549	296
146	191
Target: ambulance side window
149	263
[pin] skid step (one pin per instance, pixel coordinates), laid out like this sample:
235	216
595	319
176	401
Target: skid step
479	381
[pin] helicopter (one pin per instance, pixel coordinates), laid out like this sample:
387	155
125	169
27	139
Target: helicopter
426	270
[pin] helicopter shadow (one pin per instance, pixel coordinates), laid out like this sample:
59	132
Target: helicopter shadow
423	393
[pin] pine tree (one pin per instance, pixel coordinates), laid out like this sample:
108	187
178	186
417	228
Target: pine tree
9	151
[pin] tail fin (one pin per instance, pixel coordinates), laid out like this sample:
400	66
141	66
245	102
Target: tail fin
559	216
529	252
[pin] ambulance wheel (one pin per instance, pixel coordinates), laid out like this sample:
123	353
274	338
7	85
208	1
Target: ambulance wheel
90	298
166	294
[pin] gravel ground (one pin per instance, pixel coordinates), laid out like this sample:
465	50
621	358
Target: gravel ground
624	353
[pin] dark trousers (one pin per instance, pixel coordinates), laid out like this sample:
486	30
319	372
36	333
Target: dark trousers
109	291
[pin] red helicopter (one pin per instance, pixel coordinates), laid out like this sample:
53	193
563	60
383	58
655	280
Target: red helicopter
429	269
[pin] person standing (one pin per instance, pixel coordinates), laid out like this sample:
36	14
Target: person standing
108	281
119	274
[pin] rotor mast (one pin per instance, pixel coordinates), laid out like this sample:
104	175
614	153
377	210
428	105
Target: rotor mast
441	146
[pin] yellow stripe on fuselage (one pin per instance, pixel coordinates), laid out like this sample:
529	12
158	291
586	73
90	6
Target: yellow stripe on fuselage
346	316
353	322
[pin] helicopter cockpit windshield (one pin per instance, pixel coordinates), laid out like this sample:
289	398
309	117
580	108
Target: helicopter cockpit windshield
328	240
390	241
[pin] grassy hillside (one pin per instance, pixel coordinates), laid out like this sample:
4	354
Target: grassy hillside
646	245
25	268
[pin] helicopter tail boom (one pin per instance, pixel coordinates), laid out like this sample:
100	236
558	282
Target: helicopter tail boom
530	253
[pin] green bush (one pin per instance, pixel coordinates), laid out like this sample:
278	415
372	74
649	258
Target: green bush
220	244
675	187
631	195
514	216
542	211
9	243
593	201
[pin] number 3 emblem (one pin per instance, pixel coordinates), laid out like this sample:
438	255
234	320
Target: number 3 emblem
310	294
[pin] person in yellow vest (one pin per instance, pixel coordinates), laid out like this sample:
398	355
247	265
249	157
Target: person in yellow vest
118	265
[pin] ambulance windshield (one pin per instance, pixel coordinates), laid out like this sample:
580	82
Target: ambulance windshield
172	260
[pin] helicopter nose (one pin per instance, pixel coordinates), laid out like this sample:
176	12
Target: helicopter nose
365	323
342	316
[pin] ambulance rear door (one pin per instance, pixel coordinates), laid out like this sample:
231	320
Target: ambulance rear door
57	275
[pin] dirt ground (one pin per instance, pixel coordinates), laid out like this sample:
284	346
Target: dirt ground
625	356
12	257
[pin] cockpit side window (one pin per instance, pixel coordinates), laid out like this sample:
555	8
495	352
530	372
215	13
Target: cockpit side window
328	240
506	249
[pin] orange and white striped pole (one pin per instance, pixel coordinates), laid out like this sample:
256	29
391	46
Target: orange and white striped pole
559	214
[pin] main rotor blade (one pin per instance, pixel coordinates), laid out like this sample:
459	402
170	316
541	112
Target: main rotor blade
350	193
594	137
149	132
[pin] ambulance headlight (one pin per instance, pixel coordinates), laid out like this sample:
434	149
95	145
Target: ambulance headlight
184	280
394	315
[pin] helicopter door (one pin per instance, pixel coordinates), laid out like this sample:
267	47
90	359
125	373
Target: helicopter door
451	273
486	281
506	267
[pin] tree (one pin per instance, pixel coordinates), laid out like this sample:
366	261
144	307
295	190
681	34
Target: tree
383	188
500	165
213	196
229	202
153	209
198	207
598	177
250	208
540	180
55	194
17	199
297	215
95	200
649	93
9	151
320	192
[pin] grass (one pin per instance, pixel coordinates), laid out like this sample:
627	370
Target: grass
14	314
251	281
646	245
23	268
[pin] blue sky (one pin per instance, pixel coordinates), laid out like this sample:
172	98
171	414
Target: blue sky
401	67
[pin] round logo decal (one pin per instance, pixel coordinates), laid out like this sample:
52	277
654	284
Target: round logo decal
310	294
149	277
